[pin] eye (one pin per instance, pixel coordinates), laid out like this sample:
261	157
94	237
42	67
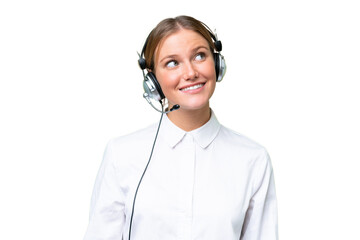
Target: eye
171	64
200	56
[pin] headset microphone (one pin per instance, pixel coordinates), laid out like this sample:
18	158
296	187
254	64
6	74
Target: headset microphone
175	107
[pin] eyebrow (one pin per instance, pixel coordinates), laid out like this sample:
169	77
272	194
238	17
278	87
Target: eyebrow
175	55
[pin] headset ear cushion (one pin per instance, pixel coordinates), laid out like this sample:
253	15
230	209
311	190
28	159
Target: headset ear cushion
216	61
152	78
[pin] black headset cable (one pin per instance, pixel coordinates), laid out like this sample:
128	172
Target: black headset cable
137	188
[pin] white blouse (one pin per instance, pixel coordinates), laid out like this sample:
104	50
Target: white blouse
207	184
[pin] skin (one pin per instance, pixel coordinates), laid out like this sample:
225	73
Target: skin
183	59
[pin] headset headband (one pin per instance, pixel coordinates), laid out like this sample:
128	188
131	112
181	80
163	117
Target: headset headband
217	44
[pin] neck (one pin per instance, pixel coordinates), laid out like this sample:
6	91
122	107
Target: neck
189	120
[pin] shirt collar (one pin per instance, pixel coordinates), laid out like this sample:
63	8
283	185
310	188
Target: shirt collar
203	135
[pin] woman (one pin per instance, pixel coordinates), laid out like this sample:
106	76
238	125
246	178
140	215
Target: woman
204	181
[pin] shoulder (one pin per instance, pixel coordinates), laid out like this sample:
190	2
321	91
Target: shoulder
239	140
238	146
138	137
131	146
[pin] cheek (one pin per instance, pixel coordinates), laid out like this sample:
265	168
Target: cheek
168	81
210	71
207	70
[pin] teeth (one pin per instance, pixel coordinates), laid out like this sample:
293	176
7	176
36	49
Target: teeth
193	87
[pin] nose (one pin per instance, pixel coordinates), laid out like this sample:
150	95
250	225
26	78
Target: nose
190	72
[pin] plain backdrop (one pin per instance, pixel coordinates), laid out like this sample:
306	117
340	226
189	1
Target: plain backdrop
70	82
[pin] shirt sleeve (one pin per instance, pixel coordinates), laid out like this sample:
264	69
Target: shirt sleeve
107	216
261	221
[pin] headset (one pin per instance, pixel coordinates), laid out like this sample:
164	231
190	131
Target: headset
152	88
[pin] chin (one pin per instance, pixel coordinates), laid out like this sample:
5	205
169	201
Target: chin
191	102
196	105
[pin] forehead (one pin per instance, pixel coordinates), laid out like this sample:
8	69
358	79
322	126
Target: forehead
180	41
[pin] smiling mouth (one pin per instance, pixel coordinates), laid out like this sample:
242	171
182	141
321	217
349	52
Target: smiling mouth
197	86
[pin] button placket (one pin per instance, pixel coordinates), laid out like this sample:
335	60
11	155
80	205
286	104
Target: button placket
187	187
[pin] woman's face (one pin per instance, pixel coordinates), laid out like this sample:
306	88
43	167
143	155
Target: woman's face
184	67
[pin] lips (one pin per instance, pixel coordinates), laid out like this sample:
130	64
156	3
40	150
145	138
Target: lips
192	87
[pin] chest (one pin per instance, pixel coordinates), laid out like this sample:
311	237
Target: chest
196	185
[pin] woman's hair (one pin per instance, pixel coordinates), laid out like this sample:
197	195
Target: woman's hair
169	26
